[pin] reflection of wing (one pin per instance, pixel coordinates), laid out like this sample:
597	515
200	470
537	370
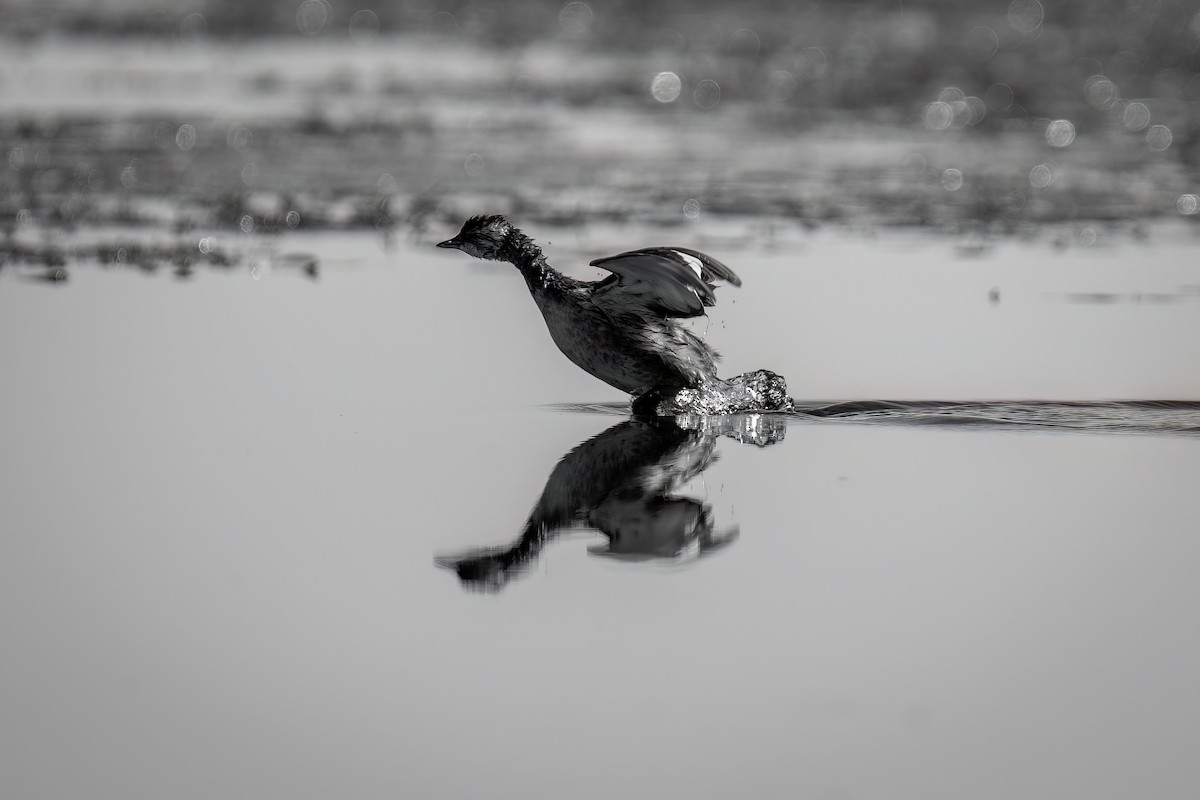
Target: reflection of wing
650	526
665	281
658	527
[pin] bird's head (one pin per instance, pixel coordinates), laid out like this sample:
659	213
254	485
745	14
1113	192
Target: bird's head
481	237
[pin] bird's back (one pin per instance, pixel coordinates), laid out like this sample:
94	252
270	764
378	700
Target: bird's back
624	345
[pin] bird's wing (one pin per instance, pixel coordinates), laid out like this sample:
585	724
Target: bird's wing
666	281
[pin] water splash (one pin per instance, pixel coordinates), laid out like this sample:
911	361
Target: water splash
758	391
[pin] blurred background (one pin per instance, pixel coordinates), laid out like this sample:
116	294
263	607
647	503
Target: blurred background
976	115
246	403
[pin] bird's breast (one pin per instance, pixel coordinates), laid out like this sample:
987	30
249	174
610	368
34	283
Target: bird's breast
622	355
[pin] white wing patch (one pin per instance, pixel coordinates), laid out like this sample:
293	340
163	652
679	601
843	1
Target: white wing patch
692	262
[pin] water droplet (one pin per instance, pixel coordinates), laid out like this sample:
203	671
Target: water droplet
480	124
311	16
523	85
24	217
960	114
1041	176
1188	204
386	184
246	223
914	164
16	158
1060	133
250	173
1025	16
1100	92
443	23
239	139
364	26
293	219
691	208
1088	237
665	87
952	179
1088	66
952	94
1136	116
185	137
193	26
206	245
812	64
474	165
982	42
938	115
1158	137
998	97
745	42
576	19
977	110
707	94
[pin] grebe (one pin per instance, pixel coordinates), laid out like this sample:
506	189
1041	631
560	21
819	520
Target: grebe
624	329
629	483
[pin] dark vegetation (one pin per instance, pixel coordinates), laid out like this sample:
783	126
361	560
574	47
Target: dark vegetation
935	113
888	53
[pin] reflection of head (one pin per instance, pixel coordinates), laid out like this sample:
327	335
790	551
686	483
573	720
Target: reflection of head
485	572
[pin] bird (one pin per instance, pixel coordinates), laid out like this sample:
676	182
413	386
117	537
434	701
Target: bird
626	484
624	329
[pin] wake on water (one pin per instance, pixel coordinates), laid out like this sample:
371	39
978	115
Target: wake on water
764	393
1127	416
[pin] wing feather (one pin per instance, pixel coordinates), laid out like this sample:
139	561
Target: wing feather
666	281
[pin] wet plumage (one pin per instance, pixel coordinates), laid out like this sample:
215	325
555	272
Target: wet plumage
623	329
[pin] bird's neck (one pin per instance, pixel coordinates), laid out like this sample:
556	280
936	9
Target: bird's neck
523	253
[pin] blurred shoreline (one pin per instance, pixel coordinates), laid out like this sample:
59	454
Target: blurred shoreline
187	123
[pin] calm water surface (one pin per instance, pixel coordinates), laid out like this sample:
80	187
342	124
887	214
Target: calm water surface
224	502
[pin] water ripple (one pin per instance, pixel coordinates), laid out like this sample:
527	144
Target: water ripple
1132	416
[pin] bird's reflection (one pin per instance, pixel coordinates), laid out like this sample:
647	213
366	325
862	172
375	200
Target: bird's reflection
623	484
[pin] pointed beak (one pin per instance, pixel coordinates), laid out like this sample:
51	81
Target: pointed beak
449	243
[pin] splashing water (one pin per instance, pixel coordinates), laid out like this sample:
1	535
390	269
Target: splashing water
761	390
